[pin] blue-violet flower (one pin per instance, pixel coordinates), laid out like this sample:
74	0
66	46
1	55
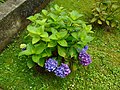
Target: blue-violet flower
84	57
62	71
51	64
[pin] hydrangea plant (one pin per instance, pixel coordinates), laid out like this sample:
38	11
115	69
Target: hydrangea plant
57	36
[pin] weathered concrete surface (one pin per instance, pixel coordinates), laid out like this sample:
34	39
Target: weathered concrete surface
13	14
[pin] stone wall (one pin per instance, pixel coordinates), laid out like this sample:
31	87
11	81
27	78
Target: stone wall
13	14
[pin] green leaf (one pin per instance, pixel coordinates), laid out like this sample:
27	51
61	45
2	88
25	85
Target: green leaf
75	15
93	20
113	24
36	58
53	37
32	18
39	48
28	51
88	28
83	35
56	7
41	62
108	23
35	30
35	39
63	43
61	34
99	22
103	19
53	16
48	52
87	39
41	22
53	30
30	63
52	44
44	34
61	51
45	12
72	52
32	29
75	35
98	9
46	39
41	29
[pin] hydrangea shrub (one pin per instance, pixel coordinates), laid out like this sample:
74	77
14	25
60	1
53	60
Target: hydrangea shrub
57	37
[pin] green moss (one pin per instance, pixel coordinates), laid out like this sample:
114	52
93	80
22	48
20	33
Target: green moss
102	74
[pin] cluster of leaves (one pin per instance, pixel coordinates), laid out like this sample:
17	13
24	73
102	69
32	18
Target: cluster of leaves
105	13
56	33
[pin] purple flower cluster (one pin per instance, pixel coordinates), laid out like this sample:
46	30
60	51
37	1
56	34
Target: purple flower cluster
52	65
84	57
62	71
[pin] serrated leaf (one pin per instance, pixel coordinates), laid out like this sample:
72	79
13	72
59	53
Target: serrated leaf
61	51
72	52
32	29
52	44
41	22
56	7
93	20
88	28
63	43
36	58
75	15
83	34
61	34
41	62
35	39
75	35
46	39
99	22
53	37
32	18
45	12
44	34
35	30
53	16
53	30
30	63
48	51
39	48
87	39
